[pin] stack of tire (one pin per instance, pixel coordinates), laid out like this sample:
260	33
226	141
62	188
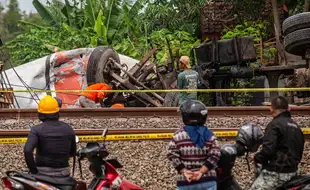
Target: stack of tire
296	30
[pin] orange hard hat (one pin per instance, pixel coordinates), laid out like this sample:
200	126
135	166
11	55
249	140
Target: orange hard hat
117	106
48	105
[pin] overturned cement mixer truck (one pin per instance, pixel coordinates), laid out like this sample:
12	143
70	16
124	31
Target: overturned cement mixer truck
79	68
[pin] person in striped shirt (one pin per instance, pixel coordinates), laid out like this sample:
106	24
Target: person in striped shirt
194	150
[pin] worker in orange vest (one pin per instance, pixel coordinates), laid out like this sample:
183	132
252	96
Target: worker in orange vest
90	99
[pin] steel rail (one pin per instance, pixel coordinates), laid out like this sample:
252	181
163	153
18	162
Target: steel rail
23	133
149	112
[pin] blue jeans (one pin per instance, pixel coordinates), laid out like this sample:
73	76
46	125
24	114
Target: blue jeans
211	185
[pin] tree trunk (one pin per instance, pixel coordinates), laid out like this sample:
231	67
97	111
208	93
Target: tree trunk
278	30
306	6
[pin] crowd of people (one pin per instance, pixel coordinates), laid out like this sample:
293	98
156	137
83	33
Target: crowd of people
193	151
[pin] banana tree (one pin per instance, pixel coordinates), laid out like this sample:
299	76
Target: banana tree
112	20
56	12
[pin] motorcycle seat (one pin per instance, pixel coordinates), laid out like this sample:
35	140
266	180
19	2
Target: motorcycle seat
60	181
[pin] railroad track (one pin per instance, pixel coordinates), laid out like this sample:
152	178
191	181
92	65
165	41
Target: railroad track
86	135
149	112
85	132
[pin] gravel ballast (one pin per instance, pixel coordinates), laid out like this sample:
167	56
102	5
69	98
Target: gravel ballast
125	123
144	162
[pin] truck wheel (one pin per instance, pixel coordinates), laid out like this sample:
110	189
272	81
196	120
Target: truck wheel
171	99
296	22
98	64
297	42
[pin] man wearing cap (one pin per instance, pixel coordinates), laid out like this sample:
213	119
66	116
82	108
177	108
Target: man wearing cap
188	79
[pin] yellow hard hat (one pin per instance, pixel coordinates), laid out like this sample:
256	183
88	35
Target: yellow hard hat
48	105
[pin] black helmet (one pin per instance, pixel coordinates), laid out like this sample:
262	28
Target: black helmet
251	136
194	113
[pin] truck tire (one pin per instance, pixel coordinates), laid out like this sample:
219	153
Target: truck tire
297	42
171	99
296	22
97	62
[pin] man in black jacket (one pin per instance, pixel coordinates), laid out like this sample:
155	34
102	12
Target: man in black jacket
54	141
282	150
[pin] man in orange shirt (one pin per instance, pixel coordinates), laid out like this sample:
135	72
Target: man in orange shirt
90	99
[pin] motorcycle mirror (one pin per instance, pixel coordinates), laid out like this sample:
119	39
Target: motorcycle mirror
76	139
105	132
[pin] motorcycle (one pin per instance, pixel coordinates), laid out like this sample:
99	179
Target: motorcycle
230	152
105	175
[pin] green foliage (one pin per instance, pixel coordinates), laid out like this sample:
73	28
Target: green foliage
31	45
249	29
12	16
173	14
116	17
100	29
127	47
179	40
205	98
241	98
9	20
83	23
269	55
254	29
35	19
44	12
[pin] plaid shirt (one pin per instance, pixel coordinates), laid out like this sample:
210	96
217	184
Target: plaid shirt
183	153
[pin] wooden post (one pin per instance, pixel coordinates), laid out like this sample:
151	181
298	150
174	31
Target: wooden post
261	44
306	5
278	30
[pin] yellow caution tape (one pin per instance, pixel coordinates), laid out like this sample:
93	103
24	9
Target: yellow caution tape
226	134
126	137
155	136
101	138
171	90
12	140
306	131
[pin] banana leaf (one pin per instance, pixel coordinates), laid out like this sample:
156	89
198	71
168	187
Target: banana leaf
90	12
44	12
100	28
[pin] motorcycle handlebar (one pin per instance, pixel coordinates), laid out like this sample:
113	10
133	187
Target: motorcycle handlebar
95	149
